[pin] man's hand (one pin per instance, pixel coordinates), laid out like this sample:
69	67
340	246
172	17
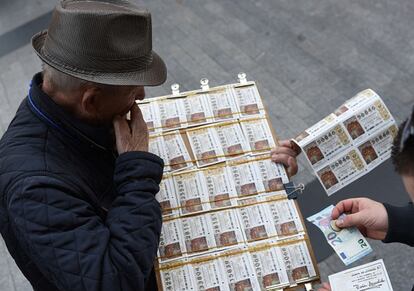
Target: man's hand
131	135
286	154
325	287
369	216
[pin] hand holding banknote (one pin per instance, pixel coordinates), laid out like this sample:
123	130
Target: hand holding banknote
348	243
369	216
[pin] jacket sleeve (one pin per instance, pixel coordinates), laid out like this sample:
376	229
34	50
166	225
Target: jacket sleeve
400	224
73	246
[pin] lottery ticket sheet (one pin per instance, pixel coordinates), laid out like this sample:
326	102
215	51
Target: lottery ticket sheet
227	221
350	142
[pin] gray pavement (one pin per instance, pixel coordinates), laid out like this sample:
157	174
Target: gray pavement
307	56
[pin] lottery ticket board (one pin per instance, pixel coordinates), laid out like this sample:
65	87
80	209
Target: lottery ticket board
227	221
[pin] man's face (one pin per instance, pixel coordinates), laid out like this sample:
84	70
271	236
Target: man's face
408	181
118	101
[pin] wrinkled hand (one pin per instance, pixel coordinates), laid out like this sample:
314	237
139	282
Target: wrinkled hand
131	135
369	216
325	287
286	154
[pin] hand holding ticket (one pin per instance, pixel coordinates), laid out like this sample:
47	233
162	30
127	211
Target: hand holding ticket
371	276
348	243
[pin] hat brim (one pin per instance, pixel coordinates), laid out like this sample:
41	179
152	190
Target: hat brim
153	75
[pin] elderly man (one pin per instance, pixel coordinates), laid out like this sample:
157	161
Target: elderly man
77	182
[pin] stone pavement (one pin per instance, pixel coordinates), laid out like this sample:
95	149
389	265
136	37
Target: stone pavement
307	56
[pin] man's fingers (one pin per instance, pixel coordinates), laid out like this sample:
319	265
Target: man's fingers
284	150
137	119
344	206
121	126
325	287
136	113
292	167
349	220
281	158
285	143
122	132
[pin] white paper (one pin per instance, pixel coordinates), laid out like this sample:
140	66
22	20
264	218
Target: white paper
191	192
298	262
198	234
223	105
180	278
249	101
269	267
371	276
258	134
210	275
246	176
197	110
167	197
226	228
171	240
151	116
171	113
206	146
255	222
178	157
232	139
220	187
240	272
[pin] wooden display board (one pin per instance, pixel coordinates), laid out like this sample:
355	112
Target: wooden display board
228	222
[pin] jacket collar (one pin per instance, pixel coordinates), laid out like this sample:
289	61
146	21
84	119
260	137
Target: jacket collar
100	137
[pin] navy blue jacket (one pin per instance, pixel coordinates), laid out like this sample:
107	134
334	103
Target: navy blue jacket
74	215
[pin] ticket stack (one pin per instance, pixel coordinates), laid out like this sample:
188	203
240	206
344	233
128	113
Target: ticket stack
227	221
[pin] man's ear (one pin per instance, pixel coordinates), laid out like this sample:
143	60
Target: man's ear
90	103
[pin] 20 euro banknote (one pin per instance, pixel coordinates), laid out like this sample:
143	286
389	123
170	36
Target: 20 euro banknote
348	243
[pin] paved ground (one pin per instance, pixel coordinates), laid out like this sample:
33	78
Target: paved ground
308	57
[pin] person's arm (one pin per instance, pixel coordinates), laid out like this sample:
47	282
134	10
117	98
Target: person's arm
400	224
75	248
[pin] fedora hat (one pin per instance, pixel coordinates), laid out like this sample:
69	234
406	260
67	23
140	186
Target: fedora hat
107	42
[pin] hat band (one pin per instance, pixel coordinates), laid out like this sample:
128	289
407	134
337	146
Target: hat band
92	64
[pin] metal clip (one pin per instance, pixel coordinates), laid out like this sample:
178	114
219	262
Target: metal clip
242	78
175	88
293	190
204	84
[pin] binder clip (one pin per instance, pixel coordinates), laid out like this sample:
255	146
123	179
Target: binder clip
204	84
242	78
293	190
175	88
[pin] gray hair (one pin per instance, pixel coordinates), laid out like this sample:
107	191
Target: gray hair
63	82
